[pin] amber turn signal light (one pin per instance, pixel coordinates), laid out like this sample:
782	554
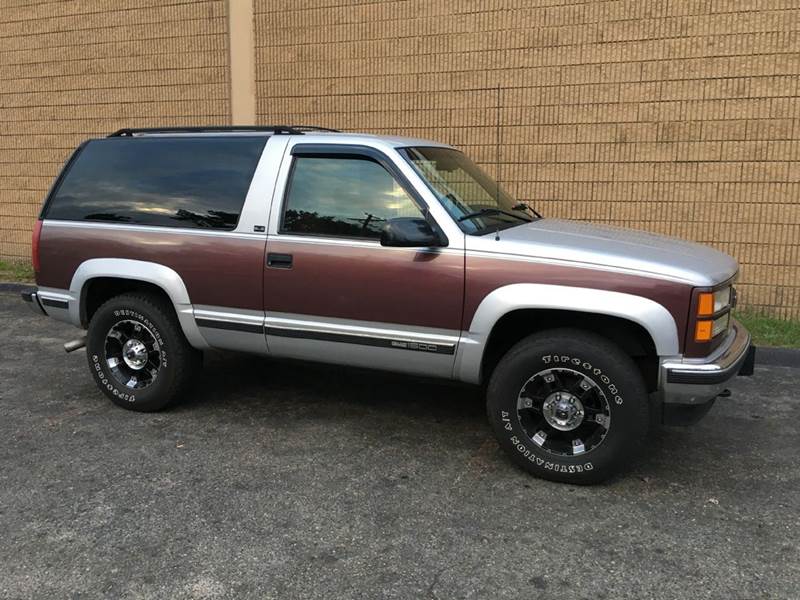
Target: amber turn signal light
703	331
705	305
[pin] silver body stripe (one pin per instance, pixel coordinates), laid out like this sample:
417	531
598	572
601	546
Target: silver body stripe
362	328
399	348
232	315
348	342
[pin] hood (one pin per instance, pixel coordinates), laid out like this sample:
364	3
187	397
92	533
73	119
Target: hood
599	245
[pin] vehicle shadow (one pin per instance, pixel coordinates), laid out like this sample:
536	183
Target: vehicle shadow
259	383
262	388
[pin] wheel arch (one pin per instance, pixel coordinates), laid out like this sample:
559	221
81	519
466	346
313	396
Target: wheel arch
640	325
111	275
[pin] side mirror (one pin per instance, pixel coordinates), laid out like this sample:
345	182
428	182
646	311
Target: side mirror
410	232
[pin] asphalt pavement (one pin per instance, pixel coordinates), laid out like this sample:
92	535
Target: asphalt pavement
288	480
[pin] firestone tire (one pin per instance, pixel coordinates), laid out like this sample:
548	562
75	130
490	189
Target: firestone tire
569	406
138	354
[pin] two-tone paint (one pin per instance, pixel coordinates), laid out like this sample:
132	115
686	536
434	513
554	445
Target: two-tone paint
352	301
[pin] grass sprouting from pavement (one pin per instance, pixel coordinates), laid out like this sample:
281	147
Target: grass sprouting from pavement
21	272
769	331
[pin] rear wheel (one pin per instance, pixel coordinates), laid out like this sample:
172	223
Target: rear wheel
138	354
568	405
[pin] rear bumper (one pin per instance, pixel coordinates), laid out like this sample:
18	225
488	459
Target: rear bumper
31	298
695	382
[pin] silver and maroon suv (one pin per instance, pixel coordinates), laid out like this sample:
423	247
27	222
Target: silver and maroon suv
384	252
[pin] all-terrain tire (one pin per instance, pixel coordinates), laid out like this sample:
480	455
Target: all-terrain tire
149	327
571	376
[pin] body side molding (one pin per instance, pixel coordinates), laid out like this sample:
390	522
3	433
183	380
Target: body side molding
653	317
164	277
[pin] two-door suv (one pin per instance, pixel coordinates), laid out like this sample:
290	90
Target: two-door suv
383	252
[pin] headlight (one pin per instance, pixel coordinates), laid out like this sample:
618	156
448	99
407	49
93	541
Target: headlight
721	324
722	298
711	303
708	305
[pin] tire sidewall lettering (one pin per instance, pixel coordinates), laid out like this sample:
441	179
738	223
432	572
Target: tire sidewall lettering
128	314
599	376
105	379
107	383
527	453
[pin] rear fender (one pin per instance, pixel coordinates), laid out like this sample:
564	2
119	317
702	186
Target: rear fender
138	270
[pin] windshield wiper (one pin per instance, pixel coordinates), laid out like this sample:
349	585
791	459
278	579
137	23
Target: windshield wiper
523	206
487	212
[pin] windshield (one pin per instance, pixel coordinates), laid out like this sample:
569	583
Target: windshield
473	199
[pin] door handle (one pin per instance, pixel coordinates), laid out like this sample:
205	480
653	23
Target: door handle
279	261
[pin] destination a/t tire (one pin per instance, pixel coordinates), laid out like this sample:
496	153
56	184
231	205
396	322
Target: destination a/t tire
138	354
568	405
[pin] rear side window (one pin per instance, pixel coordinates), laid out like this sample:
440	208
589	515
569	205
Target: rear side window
167	182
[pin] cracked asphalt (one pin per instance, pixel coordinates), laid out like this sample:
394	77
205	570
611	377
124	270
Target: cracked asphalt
288	480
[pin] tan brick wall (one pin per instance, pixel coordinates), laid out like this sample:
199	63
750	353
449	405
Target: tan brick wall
680	117
79	68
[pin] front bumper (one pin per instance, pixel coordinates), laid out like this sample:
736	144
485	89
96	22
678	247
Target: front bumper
696	383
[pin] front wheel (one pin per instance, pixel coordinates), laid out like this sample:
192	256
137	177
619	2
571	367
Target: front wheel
138	354
568	405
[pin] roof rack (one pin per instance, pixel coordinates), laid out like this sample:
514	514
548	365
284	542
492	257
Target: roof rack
273	129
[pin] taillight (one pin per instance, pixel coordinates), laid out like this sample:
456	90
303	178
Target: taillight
37	233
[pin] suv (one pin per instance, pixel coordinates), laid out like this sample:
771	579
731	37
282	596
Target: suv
389	253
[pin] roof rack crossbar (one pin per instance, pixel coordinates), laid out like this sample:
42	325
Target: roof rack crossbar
274	129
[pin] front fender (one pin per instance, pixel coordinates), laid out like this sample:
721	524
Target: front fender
650	315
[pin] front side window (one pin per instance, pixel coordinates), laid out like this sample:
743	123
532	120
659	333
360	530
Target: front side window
195	182
476	202
344	197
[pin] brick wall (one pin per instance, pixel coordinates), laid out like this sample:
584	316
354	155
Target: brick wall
678	117
79	68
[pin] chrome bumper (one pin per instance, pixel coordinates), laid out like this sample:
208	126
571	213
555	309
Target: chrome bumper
31	298
691	381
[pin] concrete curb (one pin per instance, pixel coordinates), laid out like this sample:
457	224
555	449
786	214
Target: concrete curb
12	286
778	357
765	355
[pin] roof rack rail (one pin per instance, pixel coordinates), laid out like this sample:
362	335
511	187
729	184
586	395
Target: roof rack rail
304	128
274	129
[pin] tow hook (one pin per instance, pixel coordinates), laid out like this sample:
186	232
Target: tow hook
75	344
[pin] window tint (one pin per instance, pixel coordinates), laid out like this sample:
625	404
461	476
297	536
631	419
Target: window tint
349	197
171	182
464	189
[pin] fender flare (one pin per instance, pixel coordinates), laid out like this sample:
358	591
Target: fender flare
138	270
650	315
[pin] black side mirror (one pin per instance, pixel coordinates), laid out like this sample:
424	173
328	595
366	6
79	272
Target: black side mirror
410	232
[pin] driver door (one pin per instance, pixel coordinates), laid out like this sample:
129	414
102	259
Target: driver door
332	293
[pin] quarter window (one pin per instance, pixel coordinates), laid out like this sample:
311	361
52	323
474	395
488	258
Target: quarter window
347	197
196	182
